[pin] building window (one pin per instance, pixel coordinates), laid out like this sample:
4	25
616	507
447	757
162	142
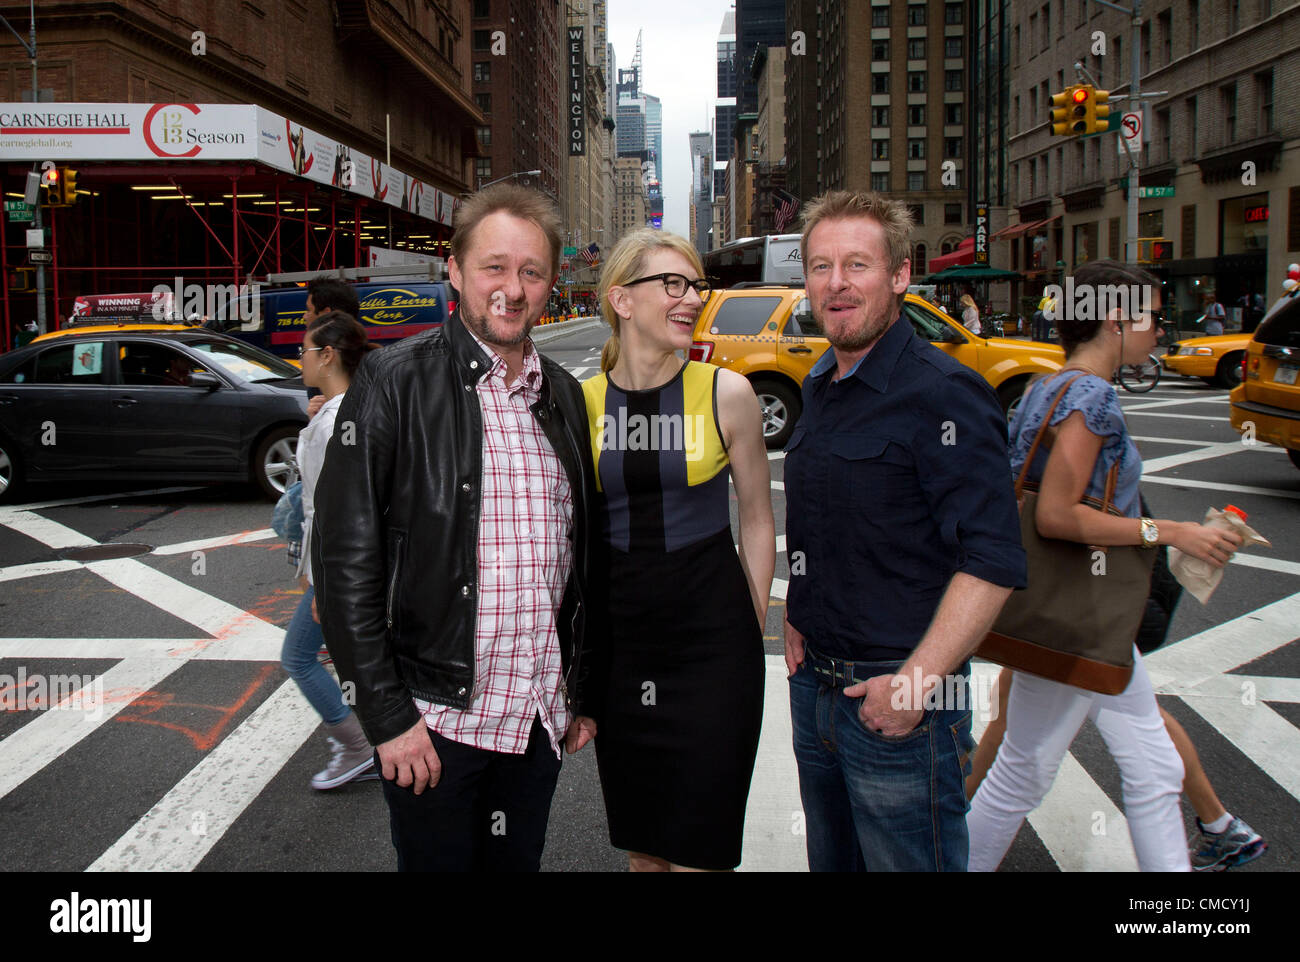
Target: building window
916	48
880	83
1191	129
483	168
952	80
482	8
880	16
1015	44
1033	177
916	15
1162	131
1015	112
1264	97
1144	35
482	71
1046	20
952	213
952	47
1194	24
952	147
952	113
484	102
880	183
880	150
482	40
918	214
918	259
1165	22
485	136
1229	95
1234	16
916	149
952	13
880	50
880	116
916	115
915	180
916	82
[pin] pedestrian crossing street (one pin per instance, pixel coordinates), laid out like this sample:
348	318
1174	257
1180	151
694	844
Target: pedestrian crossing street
1210	673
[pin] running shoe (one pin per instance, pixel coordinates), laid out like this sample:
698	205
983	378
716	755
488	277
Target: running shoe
1235	845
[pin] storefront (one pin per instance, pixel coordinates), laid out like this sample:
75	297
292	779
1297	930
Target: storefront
211	193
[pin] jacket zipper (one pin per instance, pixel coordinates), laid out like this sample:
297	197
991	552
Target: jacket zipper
394	579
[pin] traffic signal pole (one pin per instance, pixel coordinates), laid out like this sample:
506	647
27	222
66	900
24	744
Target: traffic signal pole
1135	45
38	224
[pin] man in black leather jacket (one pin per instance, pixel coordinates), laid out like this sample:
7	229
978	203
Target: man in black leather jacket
424	504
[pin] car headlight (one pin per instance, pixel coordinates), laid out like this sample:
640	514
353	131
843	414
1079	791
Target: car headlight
1205	351
1186	351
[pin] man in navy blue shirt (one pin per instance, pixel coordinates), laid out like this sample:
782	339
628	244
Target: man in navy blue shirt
904	542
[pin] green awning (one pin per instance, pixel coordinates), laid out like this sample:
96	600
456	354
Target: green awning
972	272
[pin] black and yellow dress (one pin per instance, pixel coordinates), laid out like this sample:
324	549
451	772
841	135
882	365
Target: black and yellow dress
682	668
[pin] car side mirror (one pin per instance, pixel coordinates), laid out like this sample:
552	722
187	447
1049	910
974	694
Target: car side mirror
204	380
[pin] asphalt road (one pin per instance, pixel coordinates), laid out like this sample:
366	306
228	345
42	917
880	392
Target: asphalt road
200	754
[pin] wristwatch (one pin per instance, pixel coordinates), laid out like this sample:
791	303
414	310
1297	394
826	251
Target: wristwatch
1150	533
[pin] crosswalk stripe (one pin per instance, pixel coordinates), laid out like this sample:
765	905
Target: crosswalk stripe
26	751
189	820
1221	486
773	841
18	572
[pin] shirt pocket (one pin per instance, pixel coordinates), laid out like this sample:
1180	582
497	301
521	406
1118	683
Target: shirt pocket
870	473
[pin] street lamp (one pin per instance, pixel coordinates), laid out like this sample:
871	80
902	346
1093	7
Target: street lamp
518	173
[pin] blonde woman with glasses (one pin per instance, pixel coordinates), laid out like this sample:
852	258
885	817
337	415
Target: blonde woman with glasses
678	685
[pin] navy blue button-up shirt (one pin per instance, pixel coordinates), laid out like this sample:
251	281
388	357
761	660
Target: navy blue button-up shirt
896	477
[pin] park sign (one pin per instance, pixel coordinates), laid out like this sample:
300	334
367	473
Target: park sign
981	233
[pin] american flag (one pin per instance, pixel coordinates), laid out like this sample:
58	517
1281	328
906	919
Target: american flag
786	206
590	254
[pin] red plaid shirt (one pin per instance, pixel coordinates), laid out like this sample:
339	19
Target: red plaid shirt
524	558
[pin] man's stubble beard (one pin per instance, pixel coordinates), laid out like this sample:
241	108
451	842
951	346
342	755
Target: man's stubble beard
479	325
863	338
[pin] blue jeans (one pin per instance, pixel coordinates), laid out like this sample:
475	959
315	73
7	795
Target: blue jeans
302	643
876	803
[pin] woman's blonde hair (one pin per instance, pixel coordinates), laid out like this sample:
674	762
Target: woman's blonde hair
626	263
967	301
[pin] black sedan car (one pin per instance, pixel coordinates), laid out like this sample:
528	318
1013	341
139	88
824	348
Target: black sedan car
179	405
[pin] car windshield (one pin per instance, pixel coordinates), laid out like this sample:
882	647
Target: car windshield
244	361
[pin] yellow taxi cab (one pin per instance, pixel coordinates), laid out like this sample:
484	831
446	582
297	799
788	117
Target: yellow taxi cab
1267	402
1215	359
768	334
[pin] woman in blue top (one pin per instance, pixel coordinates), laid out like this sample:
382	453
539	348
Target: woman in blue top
1087	437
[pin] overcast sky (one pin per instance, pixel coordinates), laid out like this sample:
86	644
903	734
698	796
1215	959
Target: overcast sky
679	66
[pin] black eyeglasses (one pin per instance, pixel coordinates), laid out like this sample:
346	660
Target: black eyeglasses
304	350
675	285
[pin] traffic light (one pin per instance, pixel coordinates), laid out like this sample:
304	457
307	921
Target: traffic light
67	185
50	180
1070	110
1099	112
1061	113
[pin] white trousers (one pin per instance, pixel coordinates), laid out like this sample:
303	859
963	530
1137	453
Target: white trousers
1042	719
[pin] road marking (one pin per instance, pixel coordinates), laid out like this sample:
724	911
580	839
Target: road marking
26	751
1208	452
1186	417
189	820
207	544
1201	442
1146	405
91	499
1178	667
1222	487
579	371
775	455
770	842
36	569
238	634
1261	734
115	648
1268	564
778	485
779	588
47	532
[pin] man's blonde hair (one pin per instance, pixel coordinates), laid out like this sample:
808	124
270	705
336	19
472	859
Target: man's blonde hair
626	263
515	200
893	216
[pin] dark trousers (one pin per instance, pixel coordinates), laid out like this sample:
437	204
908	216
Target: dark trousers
487	813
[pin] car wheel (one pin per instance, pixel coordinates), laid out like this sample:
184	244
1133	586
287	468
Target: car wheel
1010	394
1294	455
10	470
1228	373
781	408
275	466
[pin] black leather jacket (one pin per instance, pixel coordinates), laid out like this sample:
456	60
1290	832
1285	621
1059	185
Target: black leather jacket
395	537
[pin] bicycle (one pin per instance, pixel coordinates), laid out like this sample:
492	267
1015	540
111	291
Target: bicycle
1139	378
